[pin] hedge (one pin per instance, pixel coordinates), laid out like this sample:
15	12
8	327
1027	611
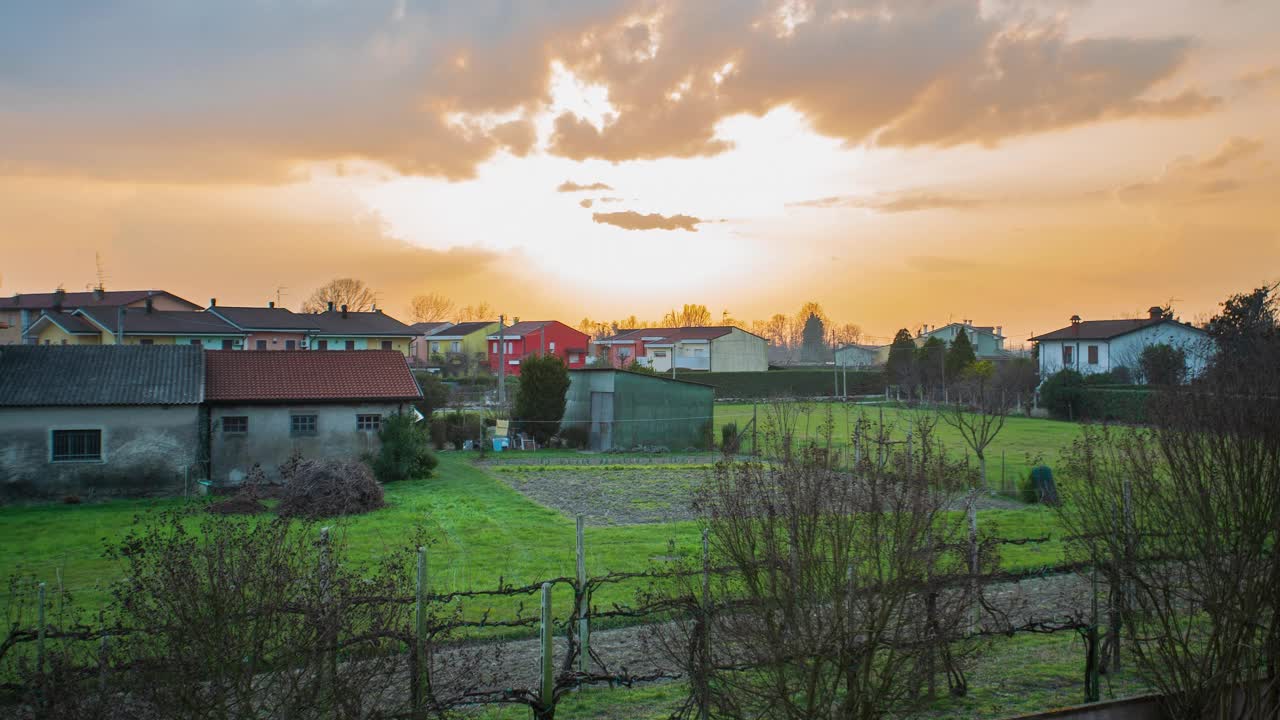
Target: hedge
786	383
1126	406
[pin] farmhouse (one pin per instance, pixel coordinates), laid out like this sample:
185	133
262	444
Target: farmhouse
624	410
264	405
718	349
537	337
1099	346
100	421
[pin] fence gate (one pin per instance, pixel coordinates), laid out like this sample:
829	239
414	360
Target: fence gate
601	421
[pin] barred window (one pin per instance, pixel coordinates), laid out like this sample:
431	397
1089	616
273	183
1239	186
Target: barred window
235	424
369	422
77	445
302	424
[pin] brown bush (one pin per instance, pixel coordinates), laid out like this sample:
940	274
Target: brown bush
239	504
328	488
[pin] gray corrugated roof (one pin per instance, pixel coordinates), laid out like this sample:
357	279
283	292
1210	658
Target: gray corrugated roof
42	375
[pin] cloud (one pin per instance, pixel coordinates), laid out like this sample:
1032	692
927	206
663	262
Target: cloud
570	186
586	203
631	220
1188	179
1263	79
900	202
252	91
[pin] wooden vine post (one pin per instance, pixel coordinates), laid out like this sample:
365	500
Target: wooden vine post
704	690
547	676
421	648
584	603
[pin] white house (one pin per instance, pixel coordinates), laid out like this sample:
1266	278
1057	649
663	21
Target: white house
1099	346
859	356
717	349
987	340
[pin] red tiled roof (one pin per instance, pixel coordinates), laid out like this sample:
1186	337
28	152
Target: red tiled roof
308	376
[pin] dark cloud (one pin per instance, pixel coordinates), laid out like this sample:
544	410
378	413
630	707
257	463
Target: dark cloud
571	186
631	220
250	90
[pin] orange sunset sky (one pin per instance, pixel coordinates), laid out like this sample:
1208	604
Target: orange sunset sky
1008	161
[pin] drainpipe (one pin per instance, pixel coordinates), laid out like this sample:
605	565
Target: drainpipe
120	325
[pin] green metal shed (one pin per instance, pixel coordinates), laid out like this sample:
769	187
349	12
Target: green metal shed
624	410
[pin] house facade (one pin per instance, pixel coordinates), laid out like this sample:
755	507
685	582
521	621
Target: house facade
536	337
343	329
19	312
266	328
420	347
987	340
715	349
265	405
1100	346
100	421
459	347
137	326
621	409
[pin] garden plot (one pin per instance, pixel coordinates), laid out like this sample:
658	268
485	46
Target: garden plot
634	495
611	495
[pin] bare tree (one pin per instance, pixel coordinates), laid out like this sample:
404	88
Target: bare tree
481	311
341	291
841	334
824	601
688	316
430	308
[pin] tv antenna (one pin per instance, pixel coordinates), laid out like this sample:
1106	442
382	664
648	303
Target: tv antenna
280	293
102	274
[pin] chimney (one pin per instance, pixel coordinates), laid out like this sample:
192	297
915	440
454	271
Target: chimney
271	303
1156	312
213	302
378	310
58	296
330	306
148	303
344	310
1000	330
1075	319
97	293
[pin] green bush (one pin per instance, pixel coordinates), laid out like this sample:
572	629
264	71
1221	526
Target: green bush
729	438
544	382
786	383
435	393
1114	404
405	453
1061	393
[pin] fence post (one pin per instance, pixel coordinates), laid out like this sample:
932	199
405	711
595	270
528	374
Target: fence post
546	672
909	460
1004	483
329	627
704	704
104	662
40	631
423	691
1092	692
584	603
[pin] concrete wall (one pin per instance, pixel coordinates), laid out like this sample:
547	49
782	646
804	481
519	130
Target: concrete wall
739	351
269	442
146	451
858	357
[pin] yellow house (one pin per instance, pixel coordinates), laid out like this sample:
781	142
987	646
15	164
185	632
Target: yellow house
64	329
138	326
467	337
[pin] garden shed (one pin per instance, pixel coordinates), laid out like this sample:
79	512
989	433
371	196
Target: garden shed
624	410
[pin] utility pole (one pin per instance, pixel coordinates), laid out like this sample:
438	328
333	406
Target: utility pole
502	364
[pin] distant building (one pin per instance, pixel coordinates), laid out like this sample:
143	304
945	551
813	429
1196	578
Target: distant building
859	356
987	340
717	349
100	421
267	328
264	405
458	348
1099	346
624	410
537	337
135	326
340	329
19	312
420	346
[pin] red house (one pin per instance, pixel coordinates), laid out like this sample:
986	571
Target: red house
538	337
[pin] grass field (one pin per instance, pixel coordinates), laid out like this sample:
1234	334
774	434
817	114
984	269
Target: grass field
1021	440
485	530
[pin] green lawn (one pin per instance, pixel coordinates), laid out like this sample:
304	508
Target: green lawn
1021	437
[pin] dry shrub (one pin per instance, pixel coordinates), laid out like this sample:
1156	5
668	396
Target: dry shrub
328	488
241	503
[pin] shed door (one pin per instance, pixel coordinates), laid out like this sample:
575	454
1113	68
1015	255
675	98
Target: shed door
601	420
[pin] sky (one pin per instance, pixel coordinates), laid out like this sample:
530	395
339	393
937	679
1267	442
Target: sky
901	162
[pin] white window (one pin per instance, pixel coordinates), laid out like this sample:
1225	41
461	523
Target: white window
552	346
455	346
659	353
494	349
513	362
509	347
573	357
